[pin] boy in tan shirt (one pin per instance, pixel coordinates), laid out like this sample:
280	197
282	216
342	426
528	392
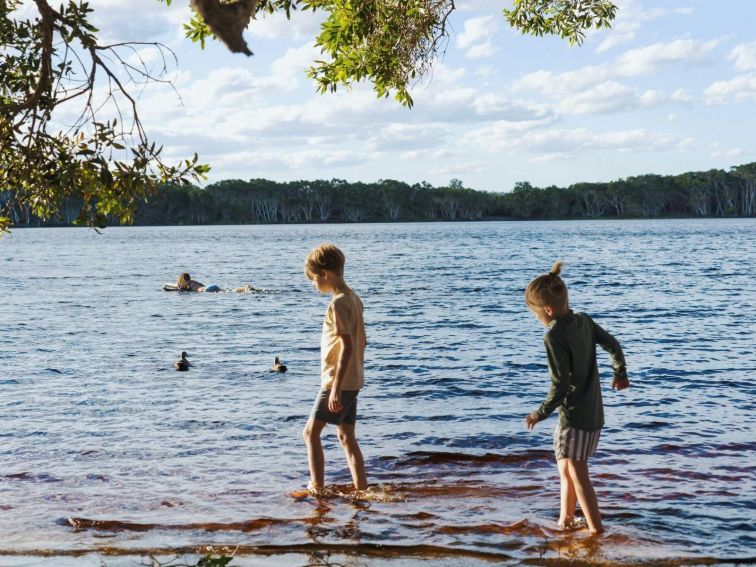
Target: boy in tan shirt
342	356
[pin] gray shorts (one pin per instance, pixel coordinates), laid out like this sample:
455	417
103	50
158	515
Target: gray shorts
575	444
348	413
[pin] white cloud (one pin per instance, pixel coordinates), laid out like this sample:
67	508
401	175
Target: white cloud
631	18
486	73
481	50
234	87
581	138
457	169
680	95
734	152
594	89
652	58
476	39
445	76
553	142
234	103
604	98
655	97
739	89
632	63
479	6
401	136
444	153
556	156
744	56
490	105
304	24
446	99
283	161
140	20
503	134
295	62
558	84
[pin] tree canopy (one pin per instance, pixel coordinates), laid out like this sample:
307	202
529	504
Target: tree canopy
52	60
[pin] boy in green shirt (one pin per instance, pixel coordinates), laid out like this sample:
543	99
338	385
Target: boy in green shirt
575	389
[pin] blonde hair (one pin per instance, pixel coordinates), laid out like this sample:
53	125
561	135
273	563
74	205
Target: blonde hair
324	257
548	290
184	282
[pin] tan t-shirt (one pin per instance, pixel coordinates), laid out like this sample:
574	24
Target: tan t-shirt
343	317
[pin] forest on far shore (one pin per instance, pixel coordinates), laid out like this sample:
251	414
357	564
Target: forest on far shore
713	193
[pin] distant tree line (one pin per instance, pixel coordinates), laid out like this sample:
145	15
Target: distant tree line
714	193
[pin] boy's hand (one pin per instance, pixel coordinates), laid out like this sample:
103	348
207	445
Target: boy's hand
620	383
334	402
531	420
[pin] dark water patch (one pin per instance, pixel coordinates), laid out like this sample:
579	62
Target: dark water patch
647	425
452	391
448	417
32	477
194	424
536	366
256	524
701	450
687	474
522	528
429	458
486	441
422	516
399	491
97	478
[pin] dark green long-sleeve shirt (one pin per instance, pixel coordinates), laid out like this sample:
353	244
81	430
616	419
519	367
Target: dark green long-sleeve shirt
575	388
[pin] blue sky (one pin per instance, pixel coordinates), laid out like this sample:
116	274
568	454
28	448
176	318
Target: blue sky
671	88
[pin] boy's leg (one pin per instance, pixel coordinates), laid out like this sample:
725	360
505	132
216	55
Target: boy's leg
354	455
578	471
569	498
315	458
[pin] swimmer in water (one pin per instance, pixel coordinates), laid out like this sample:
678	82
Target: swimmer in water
186	283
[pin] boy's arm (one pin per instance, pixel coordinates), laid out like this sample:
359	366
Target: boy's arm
612	346
345	352
559	370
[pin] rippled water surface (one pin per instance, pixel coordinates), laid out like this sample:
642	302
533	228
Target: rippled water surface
107	450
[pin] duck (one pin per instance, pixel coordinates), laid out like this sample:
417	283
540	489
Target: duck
277	366
183	364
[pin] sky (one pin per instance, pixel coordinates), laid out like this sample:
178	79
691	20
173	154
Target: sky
670	88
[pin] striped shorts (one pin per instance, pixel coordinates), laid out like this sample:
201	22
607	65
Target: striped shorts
576	444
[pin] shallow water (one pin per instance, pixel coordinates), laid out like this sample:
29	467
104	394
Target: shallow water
107	450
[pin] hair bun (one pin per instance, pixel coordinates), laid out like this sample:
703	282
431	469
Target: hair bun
556	269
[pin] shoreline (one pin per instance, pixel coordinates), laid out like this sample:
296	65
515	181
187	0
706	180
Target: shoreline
402	222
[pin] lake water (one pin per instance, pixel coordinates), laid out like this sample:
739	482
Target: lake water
110	455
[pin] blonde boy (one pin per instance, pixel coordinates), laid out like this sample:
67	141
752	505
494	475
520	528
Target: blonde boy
342	356
575	389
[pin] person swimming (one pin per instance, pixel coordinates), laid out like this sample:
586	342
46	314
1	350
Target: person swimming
185	283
